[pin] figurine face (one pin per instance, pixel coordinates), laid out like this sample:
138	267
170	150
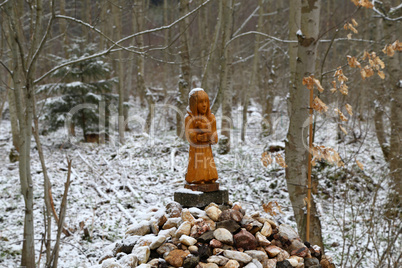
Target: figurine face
202	104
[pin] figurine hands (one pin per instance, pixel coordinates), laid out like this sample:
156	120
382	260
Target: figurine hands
205	137
200	125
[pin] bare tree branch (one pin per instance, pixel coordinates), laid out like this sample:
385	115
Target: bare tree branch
110	49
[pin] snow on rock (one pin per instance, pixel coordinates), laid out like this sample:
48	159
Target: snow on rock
179	247
141	229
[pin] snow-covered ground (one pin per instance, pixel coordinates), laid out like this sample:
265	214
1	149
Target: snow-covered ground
114	186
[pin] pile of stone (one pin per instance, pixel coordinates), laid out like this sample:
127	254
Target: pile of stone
211	238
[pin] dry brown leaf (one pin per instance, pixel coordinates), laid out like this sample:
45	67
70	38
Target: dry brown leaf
389	50
353	29
349	36
344	89
363	73
366	3
308	82
319	105
349	109
341	115
266	159
343	130
379	62
381	74
280	161
306	202
356	2
366	55
352	61
397	46
359	164
333	90
318	84
338	71
354	22
272	207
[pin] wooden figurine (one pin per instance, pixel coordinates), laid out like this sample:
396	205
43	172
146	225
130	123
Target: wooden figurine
201	134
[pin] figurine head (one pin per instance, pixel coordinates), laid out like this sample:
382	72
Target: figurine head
199	102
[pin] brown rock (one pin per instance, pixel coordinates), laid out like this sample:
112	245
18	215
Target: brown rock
166	248
239	208
213	213
173	210
273	251
270	263
176	257
161	220
217	251
154	227
262	240
326	262
286	234
184	229
245	240
216	243
200	227
283	255
171	222
251	225
187	216
232	264
211	205
266	229
263	220
231	214
207	265
209	222
230	225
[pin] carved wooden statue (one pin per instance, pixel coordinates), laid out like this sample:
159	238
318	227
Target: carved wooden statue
201	134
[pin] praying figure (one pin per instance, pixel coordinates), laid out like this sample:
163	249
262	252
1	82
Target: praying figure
201	134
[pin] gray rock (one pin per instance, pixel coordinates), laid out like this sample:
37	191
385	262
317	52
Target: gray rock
219	260
165	248
230	225
142	254
224	236
191	261
140	229
311	262
206	237
237	256
284	264
257	254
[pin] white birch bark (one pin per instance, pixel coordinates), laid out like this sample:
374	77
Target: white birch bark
296	145
253	78
184	82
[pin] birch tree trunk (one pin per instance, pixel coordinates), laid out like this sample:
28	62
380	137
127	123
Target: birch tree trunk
13	117
253	78
140	18
294	24
207	66
380	99
118	29
395	154
296	149
184	82
225	85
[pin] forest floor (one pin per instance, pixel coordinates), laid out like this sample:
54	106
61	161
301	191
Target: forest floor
114	186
